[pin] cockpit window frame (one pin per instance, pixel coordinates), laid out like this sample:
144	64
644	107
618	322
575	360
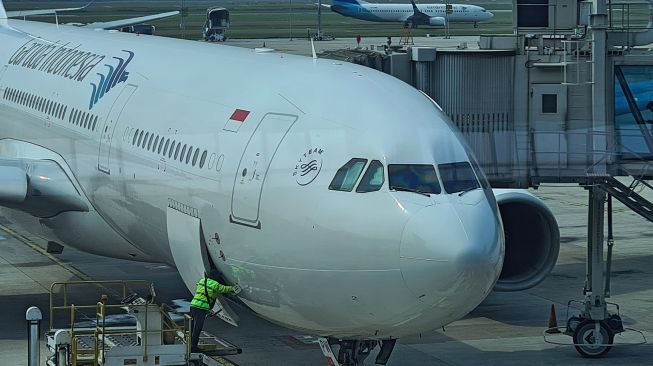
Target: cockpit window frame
435	186
344	169
369	176
446	183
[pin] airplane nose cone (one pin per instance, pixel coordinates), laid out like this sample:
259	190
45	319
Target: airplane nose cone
490	15
452	254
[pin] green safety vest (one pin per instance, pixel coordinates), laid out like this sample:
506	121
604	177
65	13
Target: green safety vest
207	292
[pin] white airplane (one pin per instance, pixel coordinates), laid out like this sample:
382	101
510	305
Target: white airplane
411	14
339	216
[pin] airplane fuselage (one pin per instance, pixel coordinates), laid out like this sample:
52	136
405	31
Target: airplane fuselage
248	145
401	12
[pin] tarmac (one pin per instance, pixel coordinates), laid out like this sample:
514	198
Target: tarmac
506	329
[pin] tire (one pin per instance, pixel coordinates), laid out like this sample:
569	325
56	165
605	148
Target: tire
584	339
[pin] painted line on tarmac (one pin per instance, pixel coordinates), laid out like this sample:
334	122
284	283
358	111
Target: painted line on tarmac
224	361
25	240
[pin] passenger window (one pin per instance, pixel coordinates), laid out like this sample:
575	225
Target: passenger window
372	179
197	151
458	177
149	143
183	153
347	175
172	149
203	159
177	150
165	148
420	178
190	152
135	137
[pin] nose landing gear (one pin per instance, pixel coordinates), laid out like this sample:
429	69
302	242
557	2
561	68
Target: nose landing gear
354	352
592	339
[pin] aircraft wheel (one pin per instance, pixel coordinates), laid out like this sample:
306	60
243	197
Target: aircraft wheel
591	344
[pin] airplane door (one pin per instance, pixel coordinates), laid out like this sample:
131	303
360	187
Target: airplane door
110	125
254	165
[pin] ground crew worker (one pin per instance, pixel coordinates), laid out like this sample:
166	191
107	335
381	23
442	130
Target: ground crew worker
206	294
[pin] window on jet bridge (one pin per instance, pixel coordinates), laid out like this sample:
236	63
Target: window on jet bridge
347	176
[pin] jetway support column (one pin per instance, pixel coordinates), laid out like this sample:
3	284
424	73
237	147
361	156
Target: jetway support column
595	306
598	30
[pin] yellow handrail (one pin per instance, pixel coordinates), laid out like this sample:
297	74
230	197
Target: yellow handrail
125	284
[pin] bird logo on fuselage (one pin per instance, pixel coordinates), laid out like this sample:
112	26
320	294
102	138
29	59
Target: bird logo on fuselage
112	77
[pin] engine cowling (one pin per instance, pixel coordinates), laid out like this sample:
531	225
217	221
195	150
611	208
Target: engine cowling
437	21
532	240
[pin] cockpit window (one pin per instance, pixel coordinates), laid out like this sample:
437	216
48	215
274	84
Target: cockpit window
347	176
372	179
420	178
458	177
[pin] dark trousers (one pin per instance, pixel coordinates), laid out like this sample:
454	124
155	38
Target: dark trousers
198	316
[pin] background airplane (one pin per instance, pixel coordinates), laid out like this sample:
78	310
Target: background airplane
360	224
411	14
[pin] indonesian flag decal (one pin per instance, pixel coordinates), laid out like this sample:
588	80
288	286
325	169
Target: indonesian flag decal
236	120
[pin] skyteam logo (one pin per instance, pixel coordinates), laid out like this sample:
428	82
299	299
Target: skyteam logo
114	76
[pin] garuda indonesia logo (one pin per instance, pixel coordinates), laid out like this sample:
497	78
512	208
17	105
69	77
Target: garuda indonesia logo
114	76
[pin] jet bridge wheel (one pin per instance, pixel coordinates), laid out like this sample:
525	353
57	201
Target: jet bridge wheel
590	343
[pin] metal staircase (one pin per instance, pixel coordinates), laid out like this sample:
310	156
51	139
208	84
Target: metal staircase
627	195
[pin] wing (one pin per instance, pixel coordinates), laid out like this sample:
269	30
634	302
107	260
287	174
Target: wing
116	24
25	13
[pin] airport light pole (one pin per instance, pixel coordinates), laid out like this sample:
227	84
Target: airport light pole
290	20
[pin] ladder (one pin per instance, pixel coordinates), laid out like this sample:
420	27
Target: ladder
626	194
407	36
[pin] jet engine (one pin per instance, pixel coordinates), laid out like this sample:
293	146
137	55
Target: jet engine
437	21
532	240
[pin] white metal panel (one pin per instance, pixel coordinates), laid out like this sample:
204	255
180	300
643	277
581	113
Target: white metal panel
254	165
110	125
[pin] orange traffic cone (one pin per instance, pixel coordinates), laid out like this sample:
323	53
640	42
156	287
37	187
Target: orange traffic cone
553	321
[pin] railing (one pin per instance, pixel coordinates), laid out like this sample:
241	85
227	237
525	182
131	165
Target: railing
101	332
